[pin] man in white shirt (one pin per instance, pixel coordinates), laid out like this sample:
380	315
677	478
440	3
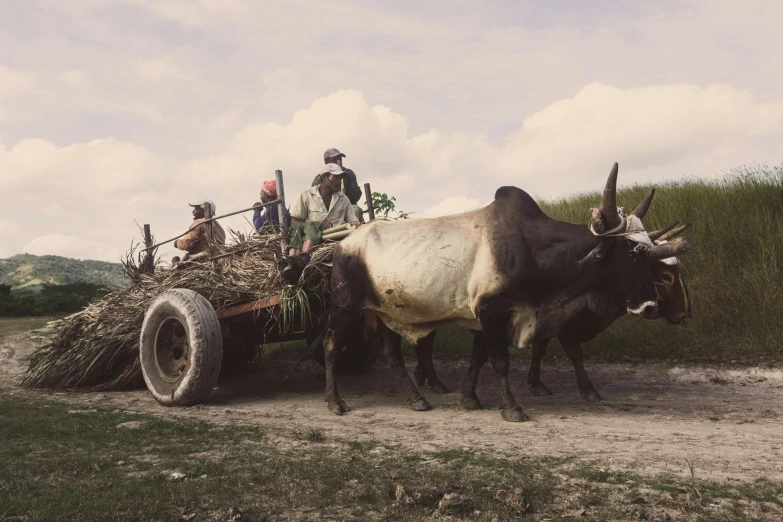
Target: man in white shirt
318	208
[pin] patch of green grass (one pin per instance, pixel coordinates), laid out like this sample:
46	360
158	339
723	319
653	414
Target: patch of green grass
311	435
595	473
361	445
86	465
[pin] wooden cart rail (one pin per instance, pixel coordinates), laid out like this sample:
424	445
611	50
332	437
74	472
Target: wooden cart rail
249	307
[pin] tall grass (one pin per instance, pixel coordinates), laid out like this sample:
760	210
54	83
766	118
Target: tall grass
734	272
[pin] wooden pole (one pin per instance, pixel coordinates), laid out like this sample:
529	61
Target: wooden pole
368	200
149	264
281	212
207	215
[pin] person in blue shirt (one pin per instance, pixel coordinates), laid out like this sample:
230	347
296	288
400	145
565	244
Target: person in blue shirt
269	216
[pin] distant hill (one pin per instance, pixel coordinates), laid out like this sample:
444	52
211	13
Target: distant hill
26	272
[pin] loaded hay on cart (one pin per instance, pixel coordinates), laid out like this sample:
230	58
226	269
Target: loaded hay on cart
175	328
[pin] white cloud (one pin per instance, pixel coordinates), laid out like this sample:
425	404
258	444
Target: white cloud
649	127
71	246
75	79
12	82
92	191
9	235
196	13
157	69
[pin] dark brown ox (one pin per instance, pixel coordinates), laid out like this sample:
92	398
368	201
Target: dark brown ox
673	304
507	270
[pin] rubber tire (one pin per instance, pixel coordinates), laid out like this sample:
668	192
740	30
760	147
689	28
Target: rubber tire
202	330
356	356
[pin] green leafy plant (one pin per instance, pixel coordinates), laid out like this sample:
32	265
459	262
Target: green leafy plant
385	205
294	303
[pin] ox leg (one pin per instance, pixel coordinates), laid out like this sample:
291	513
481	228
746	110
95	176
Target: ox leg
425	369
534	383
419	375
334	338
574	350
344	310
496	335
478	357
393	350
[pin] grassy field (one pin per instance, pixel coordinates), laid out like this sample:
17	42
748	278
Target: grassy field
734	273
86	464
15	325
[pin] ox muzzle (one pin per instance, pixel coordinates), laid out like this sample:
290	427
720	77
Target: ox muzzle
648	310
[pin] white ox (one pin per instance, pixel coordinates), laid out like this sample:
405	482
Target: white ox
507	270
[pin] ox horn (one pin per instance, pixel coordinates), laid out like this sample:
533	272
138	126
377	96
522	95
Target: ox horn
609	201
671	249
656	234
674	233
644	206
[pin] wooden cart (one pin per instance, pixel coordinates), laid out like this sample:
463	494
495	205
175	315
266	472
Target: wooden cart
185	341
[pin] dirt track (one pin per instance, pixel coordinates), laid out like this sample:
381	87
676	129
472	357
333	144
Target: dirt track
728	423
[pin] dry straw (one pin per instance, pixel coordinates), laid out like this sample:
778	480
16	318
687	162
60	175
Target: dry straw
98	348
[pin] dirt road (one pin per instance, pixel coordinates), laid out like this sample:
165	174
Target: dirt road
727	423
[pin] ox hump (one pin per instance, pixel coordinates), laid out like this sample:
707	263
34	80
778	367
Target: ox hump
516	201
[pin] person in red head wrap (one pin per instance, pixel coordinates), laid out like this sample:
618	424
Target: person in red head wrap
268	215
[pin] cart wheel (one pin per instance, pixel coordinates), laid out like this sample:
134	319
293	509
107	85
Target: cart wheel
356	355
181	348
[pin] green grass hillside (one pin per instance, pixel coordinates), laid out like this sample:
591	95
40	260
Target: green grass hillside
734	272
26	272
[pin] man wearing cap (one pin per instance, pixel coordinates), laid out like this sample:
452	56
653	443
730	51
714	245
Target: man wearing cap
197	239
318	208
351	186
267	215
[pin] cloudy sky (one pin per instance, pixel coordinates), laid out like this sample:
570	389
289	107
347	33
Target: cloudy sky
116	112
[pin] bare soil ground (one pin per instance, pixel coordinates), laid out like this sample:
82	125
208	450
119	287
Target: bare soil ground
727	422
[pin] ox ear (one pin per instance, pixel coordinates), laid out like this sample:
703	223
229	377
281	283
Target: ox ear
595	255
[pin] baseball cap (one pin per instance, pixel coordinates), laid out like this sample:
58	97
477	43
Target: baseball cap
333	169
332	153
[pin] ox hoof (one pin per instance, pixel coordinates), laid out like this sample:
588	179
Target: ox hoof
590	395
514	415
438	387
539	390
338	407
419	377
470	404
421	405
